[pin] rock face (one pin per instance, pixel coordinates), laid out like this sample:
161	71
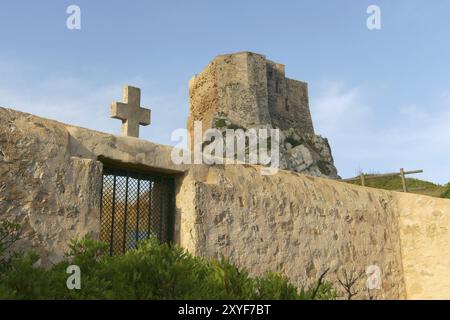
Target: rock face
307	153
245	90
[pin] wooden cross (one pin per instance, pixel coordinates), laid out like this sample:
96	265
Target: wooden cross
130	112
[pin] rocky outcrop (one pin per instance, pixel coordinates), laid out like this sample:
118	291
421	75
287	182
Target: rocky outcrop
299	152
307	153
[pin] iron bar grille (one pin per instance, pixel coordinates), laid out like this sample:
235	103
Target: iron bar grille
135	206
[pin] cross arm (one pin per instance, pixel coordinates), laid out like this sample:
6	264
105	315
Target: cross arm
144	116
119	111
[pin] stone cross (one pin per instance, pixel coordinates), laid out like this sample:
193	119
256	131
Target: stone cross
130	112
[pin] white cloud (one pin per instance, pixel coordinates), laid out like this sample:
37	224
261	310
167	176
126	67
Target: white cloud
337	106
415	137
85	102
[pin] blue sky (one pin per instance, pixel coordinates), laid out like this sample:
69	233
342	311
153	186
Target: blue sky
382	98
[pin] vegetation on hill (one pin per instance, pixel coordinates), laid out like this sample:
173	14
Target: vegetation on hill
414	185
446	192
9	234
152	271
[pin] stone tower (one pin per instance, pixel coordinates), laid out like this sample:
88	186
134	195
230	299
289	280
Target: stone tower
245	90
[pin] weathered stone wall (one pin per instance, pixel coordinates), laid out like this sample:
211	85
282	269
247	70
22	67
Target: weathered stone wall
203	97
277	92
425	241
232	86
293	224
300	225
52	195
298	105
288	101
50	178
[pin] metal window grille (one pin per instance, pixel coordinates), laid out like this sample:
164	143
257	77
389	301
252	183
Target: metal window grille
135	206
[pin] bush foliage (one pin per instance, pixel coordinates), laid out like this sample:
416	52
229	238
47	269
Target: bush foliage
446	192
151	271
9	234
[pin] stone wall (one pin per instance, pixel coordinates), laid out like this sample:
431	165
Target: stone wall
425	241
203	96
277	92
51	176
53	196
232	86
293	224
298	104
288	101
300	225
50	180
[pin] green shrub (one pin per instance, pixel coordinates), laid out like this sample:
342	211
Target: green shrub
9	234
151	271
446	193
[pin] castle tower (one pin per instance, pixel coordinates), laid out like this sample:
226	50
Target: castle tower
249	90
245	90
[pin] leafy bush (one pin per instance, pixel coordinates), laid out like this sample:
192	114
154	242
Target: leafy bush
151	271
9	233
446	193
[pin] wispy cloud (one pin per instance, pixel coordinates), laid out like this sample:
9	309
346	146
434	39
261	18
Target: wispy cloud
338	106
415	137
85	102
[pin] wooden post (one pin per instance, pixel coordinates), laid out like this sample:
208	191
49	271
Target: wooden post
363	180
402	175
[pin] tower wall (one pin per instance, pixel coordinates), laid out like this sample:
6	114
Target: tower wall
232	86
249	90
298	106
